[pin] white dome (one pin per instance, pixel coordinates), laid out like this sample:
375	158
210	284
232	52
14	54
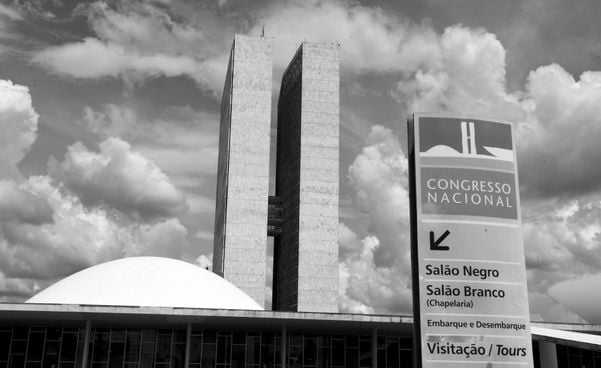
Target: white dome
147	281
580	296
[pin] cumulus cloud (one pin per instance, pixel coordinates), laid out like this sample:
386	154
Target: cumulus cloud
561	239
33	257
18	126
79	237
469	78
379	177
87	211
366	288
559	147
181	141
348	243
557	117
371	39
120	178
138	40
552	30
557	128
375	271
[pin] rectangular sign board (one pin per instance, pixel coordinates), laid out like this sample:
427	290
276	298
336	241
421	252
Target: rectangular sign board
469	275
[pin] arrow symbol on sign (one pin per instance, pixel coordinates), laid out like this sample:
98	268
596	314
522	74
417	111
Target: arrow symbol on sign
435	244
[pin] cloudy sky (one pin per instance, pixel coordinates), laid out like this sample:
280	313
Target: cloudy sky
109	127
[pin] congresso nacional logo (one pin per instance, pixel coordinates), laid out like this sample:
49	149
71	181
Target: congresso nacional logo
466	185
466	138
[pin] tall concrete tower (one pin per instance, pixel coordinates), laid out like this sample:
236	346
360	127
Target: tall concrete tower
302	216
305	275
240	238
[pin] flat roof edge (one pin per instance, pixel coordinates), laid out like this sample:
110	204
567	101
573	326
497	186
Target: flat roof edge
193	312
569	338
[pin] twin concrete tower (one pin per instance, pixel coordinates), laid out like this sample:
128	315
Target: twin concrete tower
302	216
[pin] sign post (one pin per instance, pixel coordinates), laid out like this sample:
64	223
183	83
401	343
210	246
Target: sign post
470	299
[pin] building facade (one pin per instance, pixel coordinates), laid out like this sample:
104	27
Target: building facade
306	250
126	337
240	235
84	336
302	216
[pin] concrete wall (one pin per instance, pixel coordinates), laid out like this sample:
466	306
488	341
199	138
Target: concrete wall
306	254
240	243
319	182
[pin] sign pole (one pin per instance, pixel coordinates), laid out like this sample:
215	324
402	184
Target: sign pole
417	349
